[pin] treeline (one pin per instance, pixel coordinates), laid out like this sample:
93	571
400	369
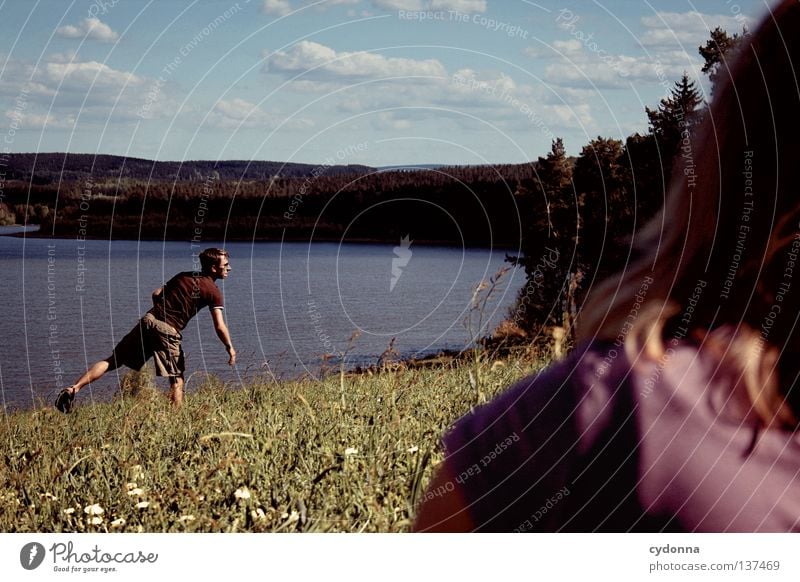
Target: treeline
54	168
459	205
474	206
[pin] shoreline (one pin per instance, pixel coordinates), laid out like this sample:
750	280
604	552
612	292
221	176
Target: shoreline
443	360
293	239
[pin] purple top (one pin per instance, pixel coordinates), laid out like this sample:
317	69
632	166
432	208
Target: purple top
591	444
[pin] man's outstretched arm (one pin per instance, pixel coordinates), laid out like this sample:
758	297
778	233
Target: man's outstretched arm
223	334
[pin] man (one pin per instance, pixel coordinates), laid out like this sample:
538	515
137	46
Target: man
158	333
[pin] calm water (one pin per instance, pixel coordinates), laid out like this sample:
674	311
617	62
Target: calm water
287	306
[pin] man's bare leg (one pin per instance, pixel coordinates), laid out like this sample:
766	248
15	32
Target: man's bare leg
95	372
176	390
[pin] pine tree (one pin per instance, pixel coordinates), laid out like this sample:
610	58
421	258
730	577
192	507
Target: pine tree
554	176
550	235
675	113
602	180
649	181
717	53
675	119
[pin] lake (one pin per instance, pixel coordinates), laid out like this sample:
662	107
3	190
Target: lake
289	307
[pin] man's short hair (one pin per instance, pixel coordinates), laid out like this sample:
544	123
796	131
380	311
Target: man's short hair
210	258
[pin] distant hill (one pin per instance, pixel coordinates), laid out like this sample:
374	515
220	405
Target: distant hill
48	168
113	197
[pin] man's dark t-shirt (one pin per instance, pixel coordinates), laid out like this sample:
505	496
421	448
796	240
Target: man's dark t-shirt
183	296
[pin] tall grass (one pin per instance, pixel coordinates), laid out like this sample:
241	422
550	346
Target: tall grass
349	453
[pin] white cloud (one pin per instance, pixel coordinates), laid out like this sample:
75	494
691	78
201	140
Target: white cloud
66	57
455	5
687	29
283	7
458	5
388	120
83	75
37	121
671	38
467	98
324	63
237	111
576	70
16	78
276	7
663	66
568	47
618	73
578	66
90	28
540	52
468	82
67	89
398	4
499	97
241	114
568	115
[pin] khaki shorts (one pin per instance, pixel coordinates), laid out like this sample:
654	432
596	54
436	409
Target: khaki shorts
151	338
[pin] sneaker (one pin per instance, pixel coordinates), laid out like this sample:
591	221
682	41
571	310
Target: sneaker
64	400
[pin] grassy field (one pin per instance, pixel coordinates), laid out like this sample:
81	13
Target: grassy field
351	453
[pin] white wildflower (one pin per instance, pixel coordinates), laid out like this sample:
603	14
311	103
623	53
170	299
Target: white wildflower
69	511
258	514
94	509
350	451
118	522
413	449
135	492
242	493
143	504
96	520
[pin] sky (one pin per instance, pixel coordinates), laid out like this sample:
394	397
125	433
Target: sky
375	82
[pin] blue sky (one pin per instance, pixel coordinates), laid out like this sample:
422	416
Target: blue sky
378	82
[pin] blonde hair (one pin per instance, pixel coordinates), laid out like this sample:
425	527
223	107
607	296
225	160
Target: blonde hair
719	256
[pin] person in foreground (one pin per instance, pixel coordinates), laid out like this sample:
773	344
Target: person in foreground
158	333
678	409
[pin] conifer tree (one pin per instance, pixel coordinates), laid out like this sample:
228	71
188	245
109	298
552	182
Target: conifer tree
717	53
675	119
550	235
